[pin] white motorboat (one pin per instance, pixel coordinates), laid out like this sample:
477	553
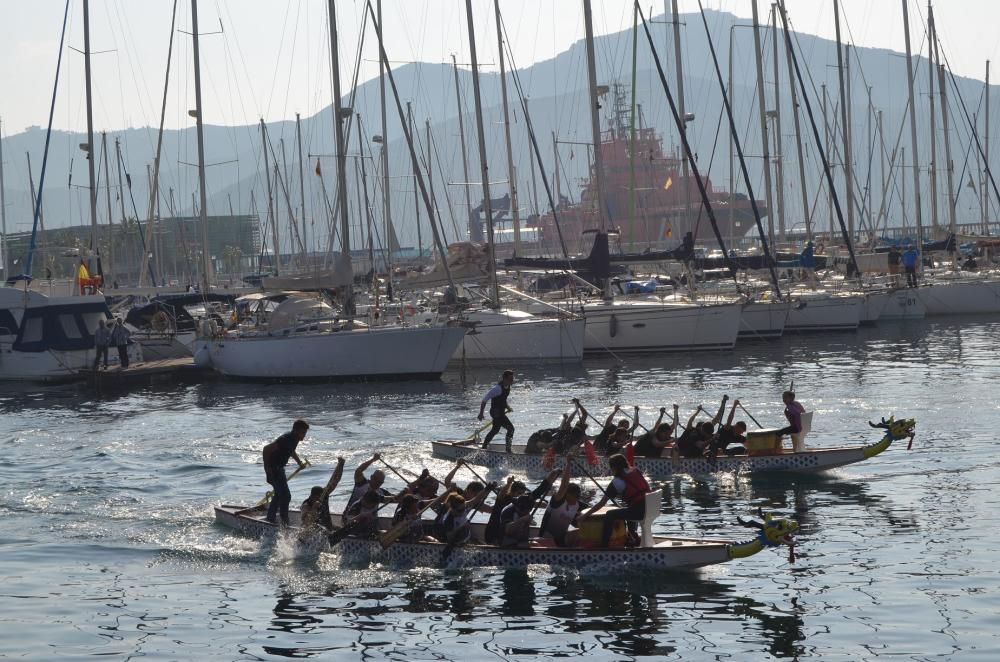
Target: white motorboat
47	338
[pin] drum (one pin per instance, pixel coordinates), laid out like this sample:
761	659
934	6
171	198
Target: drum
588	535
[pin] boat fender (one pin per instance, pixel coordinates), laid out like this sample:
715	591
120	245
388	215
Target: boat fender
613	325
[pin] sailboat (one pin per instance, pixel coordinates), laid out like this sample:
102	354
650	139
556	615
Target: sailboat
347	348
497	332
51	338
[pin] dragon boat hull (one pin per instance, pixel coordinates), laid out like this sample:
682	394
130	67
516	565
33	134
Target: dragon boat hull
664	552
809	461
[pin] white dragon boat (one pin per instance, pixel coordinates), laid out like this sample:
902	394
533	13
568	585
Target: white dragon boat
653	552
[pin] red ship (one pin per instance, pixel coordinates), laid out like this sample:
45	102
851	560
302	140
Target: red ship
649	201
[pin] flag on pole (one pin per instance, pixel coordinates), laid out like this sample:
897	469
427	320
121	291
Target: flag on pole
319	173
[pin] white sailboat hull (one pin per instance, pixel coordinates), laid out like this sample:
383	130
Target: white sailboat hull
652	327
762	320
825	313
533	339
374	353
903	304
874	305
960	298
158	346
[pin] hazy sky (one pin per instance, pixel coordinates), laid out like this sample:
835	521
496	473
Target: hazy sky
272	58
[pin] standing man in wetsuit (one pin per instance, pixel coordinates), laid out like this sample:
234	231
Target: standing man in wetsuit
497	397
276	456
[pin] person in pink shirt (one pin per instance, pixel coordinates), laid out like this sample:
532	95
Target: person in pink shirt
793	412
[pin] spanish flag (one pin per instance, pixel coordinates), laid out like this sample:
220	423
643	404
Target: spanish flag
667	184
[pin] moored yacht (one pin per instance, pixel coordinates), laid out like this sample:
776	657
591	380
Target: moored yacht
46	338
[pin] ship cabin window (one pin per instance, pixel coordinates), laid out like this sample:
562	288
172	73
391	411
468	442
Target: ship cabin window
32	331
69	326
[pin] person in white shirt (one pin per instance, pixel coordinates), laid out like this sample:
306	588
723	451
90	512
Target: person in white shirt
497	398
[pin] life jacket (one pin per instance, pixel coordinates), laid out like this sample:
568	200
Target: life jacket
636	487
498	404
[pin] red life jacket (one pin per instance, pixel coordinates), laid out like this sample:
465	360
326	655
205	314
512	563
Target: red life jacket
636	487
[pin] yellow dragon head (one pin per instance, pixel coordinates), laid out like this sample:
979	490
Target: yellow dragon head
896	428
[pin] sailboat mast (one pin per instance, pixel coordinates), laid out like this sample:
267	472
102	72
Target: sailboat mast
595	120
475	232
986	155
154	189
806	215
206	262
679	69
386	198
483	164
511	174
932	168
913	124
3	212
949	166
90	125
271	214
779	166
416	196
302	189
338	121
845	122
762	114
107	189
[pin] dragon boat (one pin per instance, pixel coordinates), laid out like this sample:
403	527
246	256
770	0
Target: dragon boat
764	455
653	552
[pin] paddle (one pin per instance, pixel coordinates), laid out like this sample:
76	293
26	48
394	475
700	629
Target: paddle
751	416
270	493
472	438
599	486
394	533
482	480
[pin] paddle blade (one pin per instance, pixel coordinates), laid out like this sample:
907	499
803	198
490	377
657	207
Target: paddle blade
550	458
588	449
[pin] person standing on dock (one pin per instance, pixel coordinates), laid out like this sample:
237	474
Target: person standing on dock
102	340
910	259
276	455
497	397
120	338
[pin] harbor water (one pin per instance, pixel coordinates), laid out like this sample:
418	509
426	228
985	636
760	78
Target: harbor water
108	545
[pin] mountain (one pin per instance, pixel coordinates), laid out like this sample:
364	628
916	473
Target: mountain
558	104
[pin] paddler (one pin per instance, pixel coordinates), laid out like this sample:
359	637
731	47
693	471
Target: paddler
316	508
497	399
631	486
562	510
276	455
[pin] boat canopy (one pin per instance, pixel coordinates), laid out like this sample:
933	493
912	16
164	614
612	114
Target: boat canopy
63	327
